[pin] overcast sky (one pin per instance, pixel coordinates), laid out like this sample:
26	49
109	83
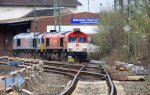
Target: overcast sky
94	5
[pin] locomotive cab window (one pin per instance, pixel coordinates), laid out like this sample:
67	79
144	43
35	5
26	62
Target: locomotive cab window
34	42
72	39
18	42
47	42
82	39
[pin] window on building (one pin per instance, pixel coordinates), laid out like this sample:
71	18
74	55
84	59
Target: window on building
18	42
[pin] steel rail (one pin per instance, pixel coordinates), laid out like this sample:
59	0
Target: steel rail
70	89
112	90
75	71
61	64
67	65
60	69
59	72
75	74
64	65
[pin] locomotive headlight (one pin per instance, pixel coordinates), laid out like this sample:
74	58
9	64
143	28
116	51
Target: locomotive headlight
70	49
84	49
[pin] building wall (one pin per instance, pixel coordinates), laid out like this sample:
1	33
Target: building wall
42	23
6	39
13	12
7	32
72	9
84	28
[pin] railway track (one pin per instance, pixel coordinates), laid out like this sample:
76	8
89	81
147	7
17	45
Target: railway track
79	74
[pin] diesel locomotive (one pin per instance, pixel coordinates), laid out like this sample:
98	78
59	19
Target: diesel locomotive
52	45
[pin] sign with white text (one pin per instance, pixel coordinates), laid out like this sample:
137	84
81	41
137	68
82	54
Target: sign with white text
85	20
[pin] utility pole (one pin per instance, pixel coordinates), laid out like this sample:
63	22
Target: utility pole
35	27
115	4
137	28
100	7
129	2
59	15
128	39
88	6
57	12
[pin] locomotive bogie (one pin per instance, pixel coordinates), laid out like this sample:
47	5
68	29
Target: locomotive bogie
78	56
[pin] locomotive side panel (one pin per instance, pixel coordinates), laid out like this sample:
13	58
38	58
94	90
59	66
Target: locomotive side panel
53	41
23	44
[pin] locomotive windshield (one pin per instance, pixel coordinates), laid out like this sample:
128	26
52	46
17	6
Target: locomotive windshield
82	39
72	39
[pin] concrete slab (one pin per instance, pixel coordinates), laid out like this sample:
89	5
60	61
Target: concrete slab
120	89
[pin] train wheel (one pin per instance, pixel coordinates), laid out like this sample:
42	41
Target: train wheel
52	57
14	53
63	57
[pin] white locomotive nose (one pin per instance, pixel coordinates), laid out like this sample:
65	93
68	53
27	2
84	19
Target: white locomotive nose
70	49
84	49
77	47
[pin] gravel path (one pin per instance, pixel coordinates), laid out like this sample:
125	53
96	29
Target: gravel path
6	69
130	87
136	87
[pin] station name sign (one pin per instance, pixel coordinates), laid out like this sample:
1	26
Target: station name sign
85	20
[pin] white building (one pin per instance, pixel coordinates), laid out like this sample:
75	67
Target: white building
10	9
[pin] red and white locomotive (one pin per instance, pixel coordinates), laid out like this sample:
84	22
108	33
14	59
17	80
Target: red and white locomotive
56	44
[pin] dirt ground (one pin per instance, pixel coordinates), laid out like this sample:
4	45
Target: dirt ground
130	87
6	69
47	84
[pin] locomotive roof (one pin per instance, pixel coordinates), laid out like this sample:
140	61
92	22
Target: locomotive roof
20	35
57	33
27	35
65	32
41	34
75	33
